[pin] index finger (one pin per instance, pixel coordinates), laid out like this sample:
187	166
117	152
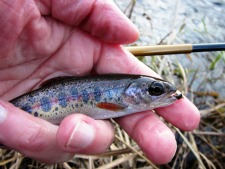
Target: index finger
182	114
150	133
100	18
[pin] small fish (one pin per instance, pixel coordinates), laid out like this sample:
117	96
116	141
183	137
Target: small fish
100	97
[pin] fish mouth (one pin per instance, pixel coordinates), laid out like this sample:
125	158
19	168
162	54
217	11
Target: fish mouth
177	95
168	99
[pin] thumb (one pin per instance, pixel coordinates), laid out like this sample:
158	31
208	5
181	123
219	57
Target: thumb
45	142
82	134
29	135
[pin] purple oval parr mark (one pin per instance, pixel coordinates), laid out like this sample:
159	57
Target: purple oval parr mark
62	97
45	104
27	108
97	94
109	94
31	100
85	96
74	92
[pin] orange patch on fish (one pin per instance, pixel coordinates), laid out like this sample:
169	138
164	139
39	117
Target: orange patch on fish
110	106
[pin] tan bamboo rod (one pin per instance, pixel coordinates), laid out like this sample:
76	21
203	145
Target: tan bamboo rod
174	49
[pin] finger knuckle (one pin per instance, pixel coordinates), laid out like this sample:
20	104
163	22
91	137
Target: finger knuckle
35	141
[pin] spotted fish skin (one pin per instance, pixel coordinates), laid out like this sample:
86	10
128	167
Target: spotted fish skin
100	97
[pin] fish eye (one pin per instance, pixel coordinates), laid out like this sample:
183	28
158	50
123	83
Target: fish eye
156	88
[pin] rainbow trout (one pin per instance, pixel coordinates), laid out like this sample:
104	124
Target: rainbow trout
100	97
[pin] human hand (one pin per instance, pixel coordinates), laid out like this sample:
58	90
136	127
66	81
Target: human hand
40	40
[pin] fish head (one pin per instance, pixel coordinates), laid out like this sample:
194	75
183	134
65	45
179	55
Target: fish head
146	93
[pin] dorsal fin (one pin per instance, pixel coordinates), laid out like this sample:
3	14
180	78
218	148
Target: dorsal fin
55	80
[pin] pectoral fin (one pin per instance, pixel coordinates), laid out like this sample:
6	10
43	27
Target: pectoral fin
111	106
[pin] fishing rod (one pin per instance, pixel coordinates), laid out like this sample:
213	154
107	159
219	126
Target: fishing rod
175	49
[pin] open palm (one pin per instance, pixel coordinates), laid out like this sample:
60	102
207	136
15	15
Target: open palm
41	40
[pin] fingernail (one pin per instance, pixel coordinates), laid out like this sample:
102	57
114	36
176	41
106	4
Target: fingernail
3	114
81	137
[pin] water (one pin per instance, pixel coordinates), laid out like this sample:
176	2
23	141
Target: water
184	21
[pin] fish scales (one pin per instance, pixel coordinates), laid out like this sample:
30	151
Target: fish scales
55	102
100	97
